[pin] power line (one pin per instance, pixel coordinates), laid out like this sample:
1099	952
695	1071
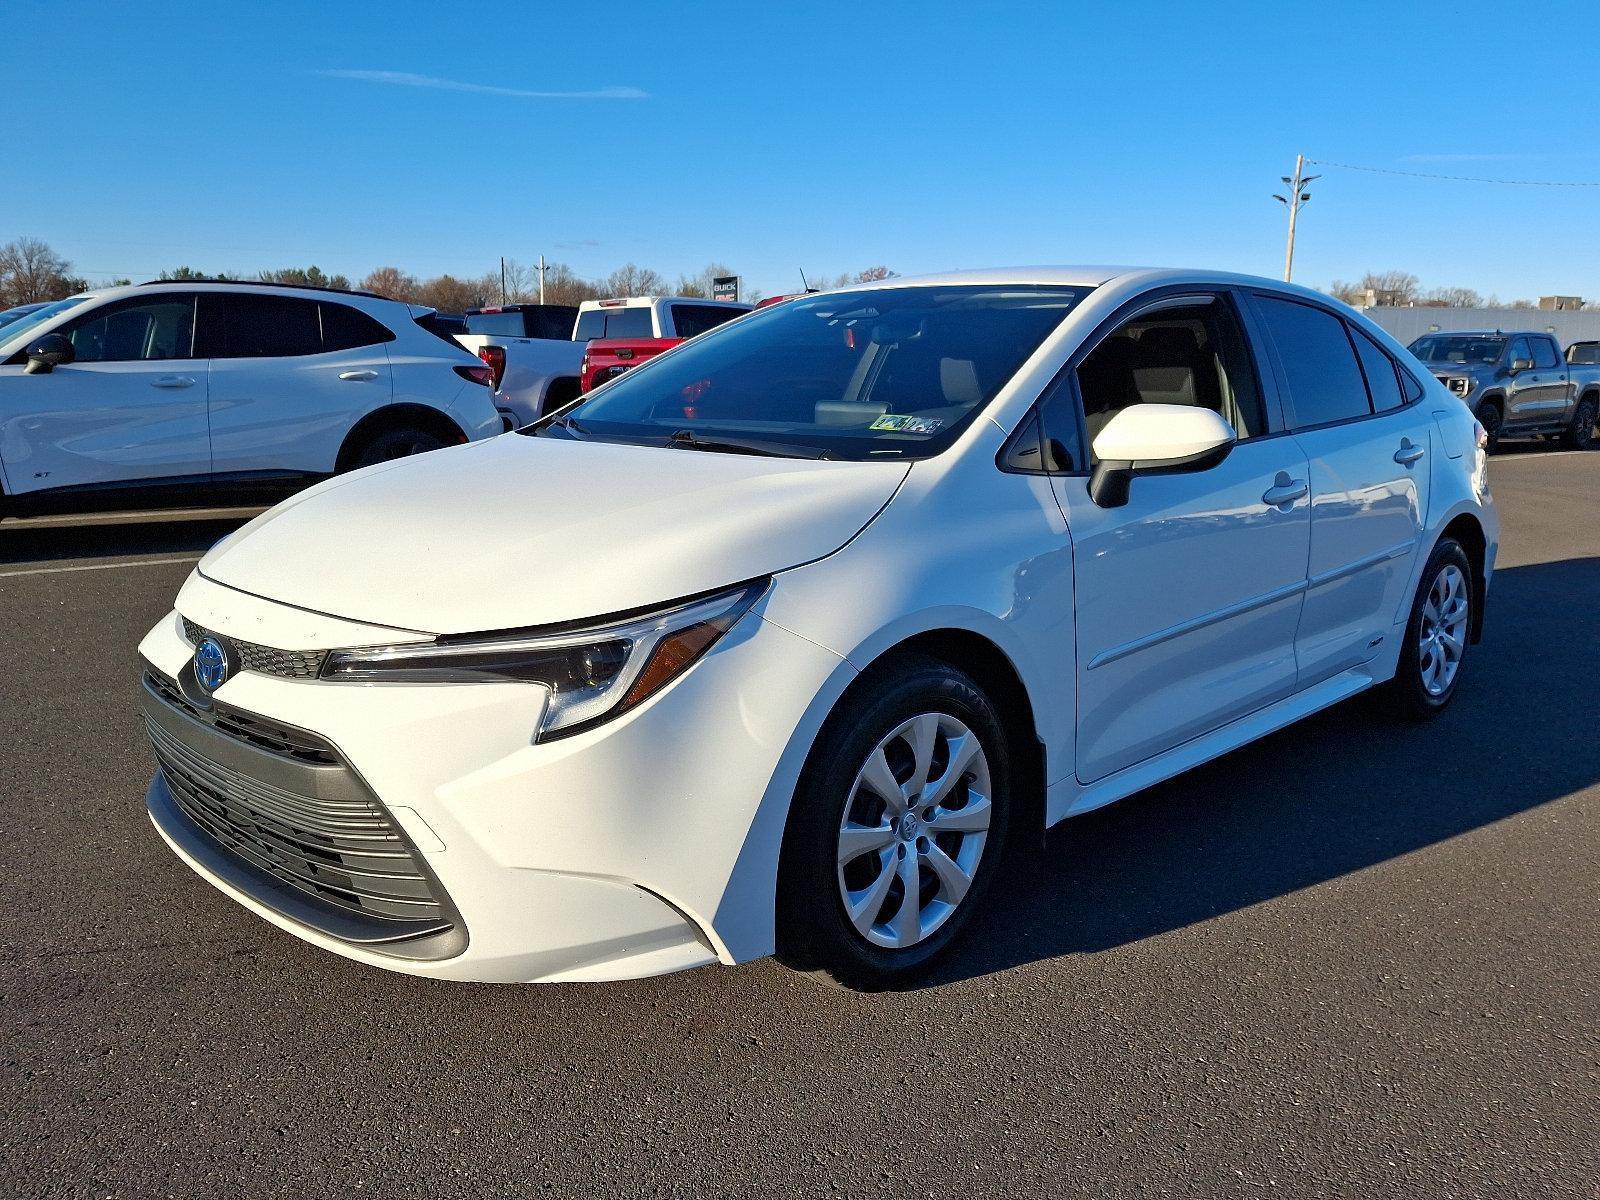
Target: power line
1322	162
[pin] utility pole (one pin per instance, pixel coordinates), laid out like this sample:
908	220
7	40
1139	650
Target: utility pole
1296	197
502	279
541	279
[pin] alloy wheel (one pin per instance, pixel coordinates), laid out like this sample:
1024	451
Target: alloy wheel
1442	633
913	830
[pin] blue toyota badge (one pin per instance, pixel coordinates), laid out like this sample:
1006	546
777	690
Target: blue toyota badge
210	664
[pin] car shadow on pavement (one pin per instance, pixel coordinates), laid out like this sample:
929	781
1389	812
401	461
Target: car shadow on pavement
24	542
1341	791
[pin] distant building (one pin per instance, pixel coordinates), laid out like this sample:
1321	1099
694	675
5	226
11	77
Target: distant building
1560	303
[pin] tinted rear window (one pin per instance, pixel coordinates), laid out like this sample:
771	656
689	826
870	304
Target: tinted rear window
1382	380
506	324
345	328
693	319
614	323
1325	384
260	326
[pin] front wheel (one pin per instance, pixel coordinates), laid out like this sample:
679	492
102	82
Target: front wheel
1436	636
898	826
1580	434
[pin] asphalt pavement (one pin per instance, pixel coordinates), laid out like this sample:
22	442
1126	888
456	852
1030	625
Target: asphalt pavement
1354	959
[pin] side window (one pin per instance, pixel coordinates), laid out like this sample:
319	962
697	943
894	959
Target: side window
1544	353
267	326
345	328
1520	352
140	330
1319	364
693	319
1383	381
1194	354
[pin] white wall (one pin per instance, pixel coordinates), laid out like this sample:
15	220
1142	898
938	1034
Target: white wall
1408	324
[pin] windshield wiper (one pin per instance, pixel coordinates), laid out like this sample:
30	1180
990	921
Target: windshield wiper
685	439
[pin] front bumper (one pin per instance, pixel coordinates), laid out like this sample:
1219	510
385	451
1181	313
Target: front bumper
646	845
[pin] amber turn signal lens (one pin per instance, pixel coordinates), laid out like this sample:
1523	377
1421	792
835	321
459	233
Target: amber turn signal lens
673	655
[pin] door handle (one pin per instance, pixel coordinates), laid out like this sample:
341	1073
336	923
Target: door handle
1408	452
1285	491
358	376
172	381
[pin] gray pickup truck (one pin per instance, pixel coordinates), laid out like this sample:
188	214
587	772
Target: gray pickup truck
1518	384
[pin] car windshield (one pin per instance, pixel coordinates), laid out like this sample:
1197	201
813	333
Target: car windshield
1458	348
18	330
884	373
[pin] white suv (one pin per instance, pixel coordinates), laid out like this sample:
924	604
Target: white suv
166	389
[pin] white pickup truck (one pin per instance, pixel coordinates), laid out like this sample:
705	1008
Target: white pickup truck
536	351
530	349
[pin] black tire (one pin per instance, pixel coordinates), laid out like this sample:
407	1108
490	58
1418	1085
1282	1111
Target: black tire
1489	417
814	932
1406	695
1580	434
396	443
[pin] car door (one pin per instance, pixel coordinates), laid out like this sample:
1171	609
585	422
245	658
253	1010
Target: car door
1524	390
286	386
1553	399
129	408
1356	414
1188	596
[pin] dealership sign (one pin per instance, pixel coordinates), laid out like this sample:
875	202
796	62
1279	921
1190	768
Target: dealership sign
725	287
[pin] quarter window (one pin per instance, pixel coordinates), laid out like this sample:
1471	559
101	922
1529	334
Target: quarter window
345	328
1319	364
139	330
1382	380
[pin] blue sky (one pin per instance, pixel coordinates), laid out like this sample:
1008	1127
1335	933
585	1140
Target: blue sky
775	135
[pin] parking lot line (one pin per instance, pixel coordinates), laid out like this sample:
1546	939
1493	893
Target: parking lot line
147	562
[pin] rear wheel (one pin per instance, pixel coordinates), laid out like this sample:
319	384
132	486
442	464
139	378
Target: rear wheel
1489	417
396	443
1436	636
1580	434
898	826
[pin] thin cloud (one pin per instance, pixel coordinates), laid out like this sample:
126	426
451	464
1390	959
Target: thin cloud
407	79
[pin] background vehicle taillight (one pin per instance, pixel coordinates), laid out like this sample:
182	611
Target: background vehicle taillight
483	375
495	357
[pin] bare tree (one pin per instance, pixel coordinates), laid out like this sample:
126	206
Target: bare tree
873	274
1451	297
561	286
31	272
634	280
700	283
393	283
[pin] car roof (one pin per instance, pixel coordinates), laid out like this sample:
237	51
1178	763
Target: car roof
1132	277
155	286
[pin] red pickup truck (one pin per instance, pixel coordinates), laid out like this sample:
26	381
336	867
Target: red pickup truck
619	334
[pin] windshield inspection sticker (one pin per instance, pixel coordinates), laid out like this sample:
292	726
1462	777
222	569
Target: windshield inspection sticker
890	423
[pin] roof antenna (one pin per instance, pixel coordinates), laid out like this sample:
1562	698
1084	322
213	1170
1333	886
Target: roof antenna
803	282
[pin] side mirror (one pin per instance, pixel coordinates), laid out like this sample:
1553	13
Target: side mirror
48	353
1155	439
1519	365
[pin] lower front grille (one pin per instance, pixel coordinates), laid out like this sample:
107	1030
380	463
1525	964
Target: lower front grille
305	837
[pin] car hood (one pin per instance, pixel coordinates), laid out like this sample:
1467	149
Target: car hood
518	531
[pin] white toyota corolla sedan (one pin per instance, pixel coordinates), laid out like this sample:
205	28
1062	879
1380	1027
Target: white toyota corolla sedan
777	642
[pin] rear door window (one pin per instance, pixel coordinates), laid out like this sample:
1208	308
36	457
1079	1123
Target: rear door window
1544	353
1319	365
265	326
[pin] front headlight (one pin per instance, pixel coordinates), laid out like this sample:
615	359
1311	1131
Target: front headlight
593	674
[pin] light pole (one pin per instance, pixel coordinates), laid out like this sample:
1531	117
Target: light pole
1296	197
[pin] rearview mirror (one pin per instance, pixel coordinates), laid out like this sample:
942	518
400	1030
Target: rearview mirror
48	353
1155	439
1518	365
